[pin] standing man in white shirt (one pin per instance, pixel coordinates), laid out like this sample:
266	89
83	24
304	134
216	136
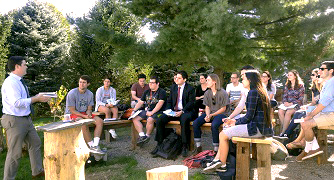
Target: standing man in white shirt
17	107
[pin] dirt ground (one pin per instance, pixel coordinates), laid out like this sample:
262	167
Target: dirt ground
288	169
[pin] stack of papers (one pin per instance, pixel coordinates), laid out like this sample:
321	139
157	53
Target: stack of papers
109	119
285	108
134	114
169	112
112	101
49	94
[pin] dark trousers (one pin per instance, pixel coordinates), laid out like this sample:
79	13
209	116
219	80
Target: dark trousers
184	119
215	124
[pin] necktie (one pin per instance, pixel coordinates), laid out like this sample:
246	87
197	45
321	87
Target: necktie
28	96
177	100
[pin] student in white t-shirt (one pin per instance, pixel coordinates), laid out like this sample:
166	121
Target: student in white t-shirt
234	89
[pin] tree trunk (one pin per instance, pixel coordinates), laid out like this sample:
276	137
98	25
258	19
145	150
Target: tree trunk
65	154
173	172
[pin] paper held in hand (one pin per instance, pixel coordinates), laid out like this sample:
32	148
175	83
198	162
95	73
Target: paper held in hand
285	107
298	120
49	94
112	101
134	114
169	112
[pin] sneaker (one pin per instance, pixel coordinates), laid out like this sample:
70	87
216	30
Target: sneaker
282	136
142	140
113	133
222	169
96	150
197	150
299	158
313	153
213	166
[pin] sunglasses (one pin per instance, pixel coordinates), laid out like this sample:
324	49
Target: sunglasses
213	101
322	69
313	75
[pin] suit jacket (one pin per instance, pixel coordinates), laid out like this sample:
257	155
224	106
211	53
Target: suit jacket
188	98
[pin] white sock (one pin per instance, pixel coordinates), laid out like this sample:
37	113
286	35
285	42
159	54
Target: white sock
148	135
141	134
90	143
315	144
96	141
198	144
215	148
308	146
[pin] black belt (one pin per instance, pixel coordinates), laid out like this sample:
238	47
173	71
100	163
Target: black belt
18	116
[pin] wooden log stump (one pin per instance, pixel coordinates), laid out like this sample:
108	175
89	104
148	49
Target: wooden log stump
243	160
173	172
65	150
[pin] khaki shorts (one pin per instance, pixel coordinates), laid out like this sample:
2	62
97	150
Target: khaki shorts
324	119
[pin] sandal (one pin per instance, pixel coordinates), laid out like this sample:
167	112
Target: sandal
295	145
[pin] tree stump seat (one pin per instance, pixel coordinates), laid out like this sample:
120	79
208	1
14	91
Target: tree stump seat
322	141
173	172
260	152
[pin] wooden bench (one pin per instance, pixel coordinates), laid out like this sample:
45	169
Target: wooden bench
260	152
322	141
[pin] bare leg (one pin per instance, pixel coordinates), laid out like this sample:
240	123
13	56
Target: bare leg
307	127
138	125
149	125
114	111
223	147
105	110
86	134
98	126
287	119
281	114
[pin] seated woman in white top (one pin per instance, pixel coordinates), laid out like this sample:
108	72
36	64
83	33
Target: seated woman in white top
270	87
104	94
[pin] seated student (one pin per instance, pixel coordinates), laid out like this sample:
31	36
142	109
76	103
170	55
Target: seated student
79	103
216	103
270	87
181	100
315	88
256	123
241	105
234	89
103	94
154	100
322	115
293	95
200	90
138	89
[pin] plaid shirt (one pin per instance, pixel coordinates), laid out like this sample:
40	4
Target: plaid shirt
254	117
294	96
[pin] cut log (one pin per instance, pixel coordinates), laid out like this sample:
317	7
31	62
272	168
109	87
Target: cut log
65	154
173	172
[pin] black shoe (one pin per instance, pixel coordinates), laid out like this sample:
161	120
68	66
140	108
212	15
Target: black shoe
142	140
155	150
197	150
184	151
213	166
222	169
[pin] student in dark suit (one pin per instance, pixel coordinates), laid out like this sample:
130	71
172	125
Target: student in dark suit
181	100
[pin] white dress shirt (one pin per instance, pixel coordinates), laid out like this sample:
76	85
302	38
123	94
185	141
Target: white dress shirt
179	106
14	97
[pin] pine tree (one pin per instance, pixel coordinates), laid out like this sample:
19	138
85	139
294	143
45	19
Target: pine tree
5	25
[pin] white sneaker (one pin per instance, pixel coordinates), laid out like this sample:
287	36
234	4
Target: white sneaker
113	133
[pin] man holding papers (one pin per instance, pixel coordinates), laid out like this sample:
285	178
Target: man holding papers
154	102
181	100
322	115
79	104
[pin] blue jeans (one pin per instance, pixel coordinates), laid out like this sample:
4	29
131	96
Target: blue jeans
215	124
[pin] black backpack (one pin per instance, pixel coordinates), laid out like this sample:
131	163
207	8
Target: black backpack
171	147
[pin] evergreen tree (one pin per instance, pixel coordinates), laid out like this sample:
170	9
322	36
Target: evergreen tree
5	25
40	33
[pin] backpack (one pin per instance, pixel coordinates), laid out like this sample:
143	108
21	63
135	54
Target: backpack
231	163
200	159
170	147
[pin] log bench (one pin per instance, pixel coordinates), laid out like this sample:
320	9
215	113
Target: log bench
260	152
322	141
